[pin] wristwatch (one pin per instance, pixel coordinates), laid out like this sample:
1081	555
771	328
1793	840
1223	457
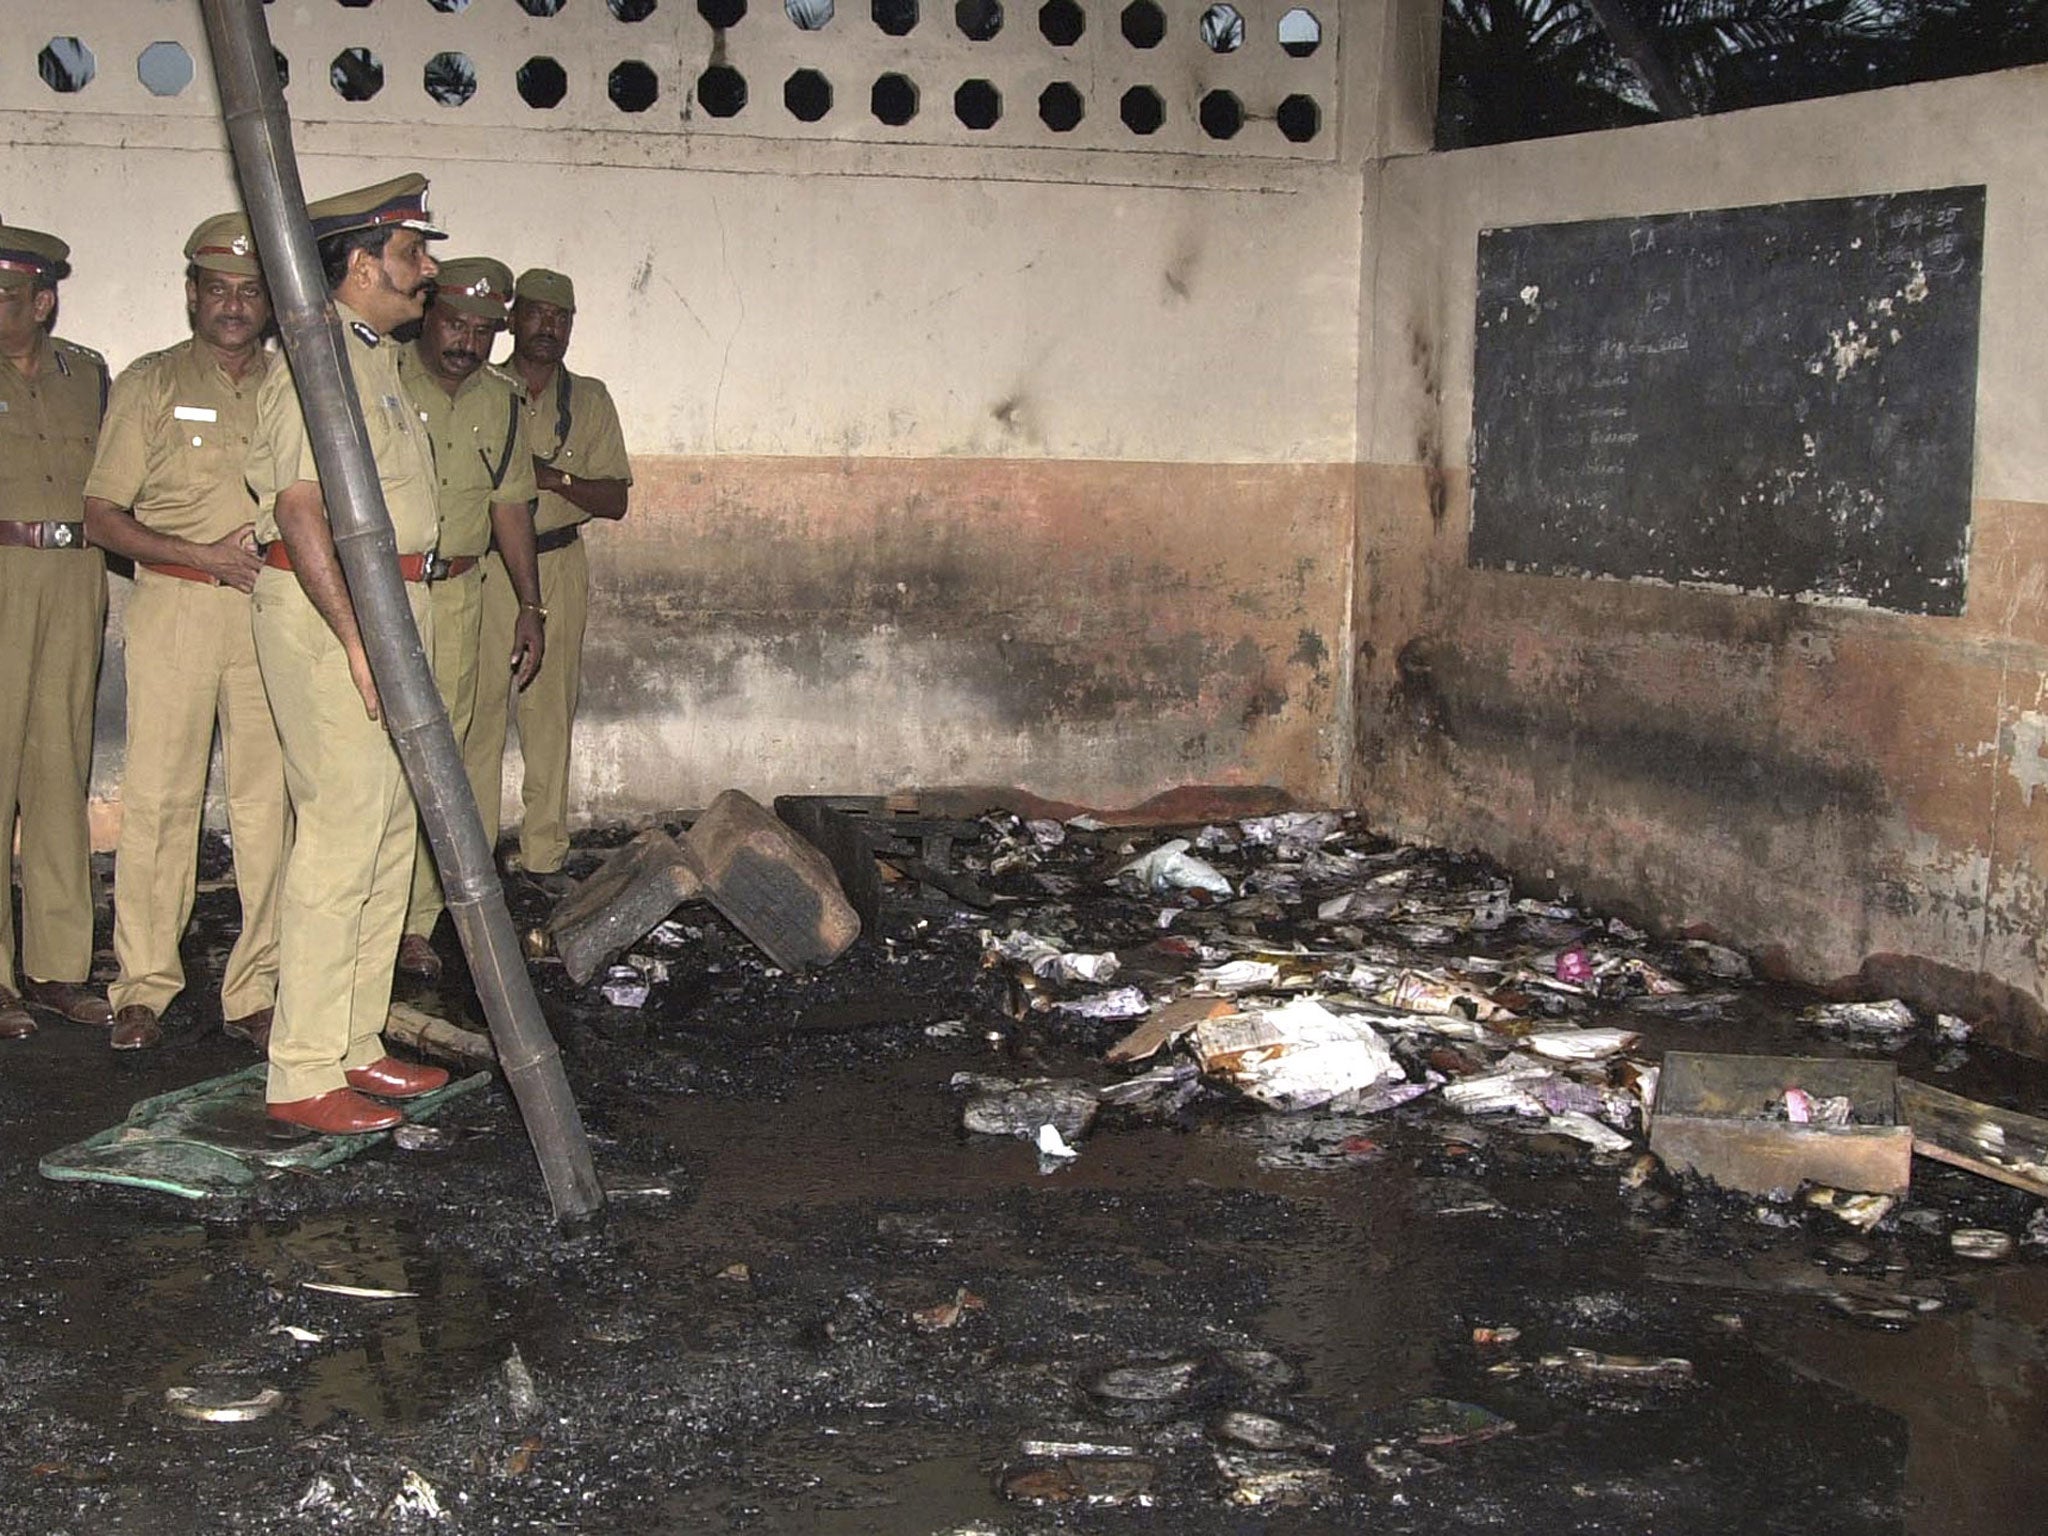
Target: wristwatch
534	608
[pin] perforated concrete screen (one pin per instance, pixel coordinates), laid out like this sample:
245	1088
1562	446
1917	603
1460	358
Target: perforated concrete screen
1153	76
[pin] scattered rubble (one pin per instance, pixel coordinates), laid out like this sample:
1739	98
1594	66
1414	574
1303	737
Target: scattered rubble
1882	1022
415	1500
1413	1115
997	1106
1357	1010
1981	1243
522	1396
210	1405
1626	1370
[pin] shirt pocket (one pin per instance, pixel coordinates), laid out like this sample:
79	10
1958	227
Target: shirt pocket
200	454
71	446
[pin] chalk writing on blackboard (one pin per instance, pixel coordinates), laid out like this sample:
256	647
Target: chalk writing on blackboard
1776	399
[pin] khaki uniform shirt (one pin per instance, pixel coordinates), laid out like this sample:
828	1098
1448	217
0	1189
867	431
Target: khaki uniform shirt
176	437
49	427
282	454
595	447
477	433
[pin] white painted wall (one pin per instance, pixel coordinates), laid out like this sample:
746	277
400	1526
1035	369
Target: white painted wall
784	291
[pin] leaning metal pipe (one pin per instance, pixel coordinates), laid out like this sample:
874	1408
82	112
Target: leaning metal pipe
259	129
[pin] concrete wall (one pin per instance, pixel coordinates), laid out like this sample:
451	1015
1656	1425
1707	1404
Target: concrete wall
1850	792
963	455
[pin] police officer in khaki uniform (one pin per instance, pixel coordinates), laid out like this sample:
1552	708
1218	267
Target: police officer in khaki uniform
476	421
167	491
53	602
581	467
350	866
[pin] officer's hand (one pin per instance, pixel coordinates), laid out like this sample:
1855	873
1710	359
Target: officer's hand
529	644
366	684
232	561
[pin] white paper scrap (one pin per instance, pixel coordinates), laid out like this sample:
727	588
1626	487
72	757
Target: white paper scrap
1296	1056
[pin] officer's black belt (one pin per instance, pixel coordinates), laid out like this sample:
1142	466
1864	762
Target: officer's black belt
559	538
43	535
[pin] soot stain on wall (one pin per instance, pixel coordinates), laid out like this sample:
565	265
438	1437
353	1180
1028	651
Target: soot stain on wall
1689	764
1025	683
1129	625
1310	652
1044	635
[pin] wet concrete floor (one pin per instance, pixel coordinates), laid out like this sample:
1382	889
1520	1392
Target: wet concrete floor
818	1306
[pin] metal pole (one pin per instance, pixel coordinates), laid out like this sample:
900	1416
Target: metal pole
259	129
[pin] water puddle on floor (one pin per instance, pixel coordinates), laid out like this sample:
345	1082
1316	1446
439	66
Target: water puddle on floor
221	1308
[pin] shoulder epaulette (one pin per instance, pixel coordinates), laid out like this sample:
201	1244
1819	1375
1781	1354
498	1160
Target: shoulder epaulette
162	357
509	379
66	350
78	351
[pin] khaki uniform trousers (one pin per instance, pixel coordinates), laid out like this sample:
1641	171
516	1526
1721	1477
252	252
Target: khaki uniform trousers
350	867
546	710
53	605
458	606
192	659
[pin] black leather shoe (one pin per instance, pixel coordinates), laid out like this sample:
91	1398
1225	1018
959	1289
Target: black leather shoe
135	1029
252	1027
16	1022
69	1000
416	957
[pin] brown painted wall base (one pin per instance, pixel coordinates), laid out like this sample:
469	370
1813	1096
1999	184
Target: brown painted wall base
1851	792
1091	631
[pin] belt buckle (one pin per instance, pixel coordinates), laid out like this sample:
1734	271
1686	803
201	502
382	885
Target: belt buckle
57	535
434	569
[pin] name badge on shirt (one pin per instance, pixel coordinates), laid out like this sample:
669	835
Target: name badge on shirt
194	413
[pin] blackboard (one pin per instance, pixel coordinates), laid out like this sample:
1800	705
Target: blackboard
1776	399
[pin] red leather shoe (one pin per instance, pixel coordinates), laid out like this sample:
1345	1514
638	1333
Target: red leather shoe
390	1078
342	1112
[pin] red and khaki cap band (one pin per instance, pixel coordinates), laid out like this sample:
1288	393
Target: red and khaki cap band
29	255
478	285
400	203
223	244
